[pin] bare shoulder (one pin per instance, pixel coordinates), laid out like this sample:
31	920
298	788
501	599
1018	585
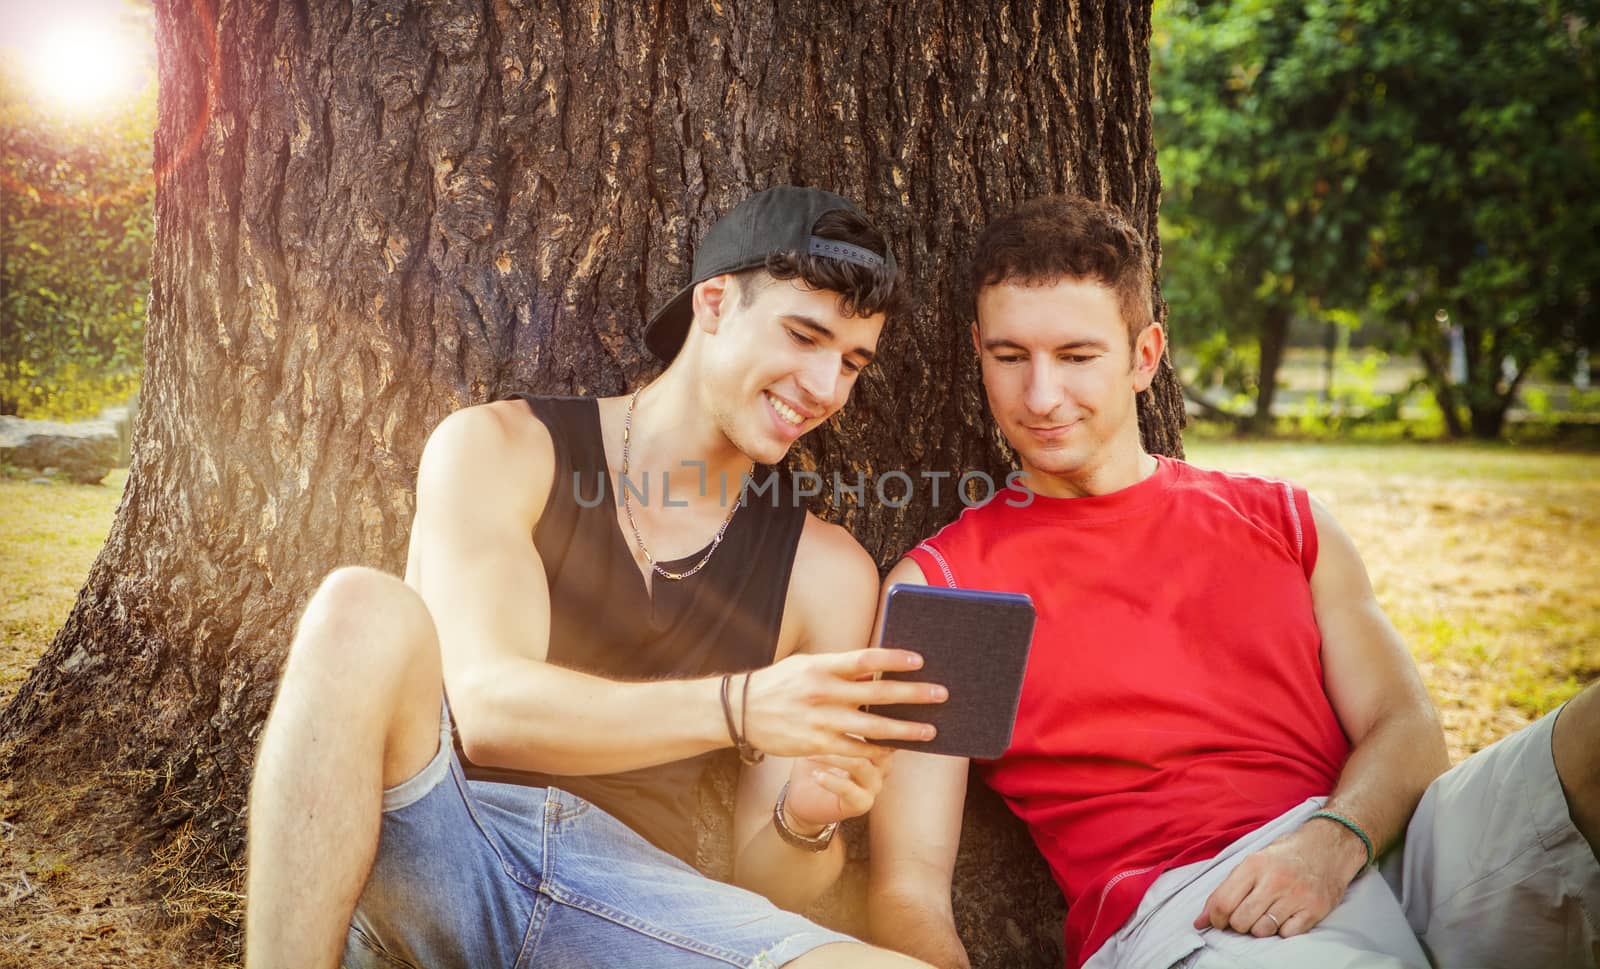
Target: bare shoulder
491	452
829	552
906	571
1319	511
505	430
833	587
1339	573
1329	531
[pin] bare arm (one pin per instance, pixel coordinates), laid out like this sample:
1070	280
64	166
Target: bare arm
1397	751
485	476
1378	695
915	830
831	599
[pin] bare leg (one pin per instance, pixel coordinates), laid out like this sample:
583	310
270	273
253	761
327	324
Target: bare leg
1576	745
357	711
848	955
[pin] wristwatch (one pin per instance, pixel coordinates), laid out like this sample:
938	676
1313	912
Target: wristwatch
816	842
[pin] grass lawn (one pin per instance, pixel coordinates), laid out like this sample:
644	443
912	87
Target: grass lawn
1485	557
49	536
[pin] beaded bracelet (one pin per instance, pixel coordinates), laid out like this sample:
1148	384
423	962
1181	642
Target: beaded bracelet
1355	829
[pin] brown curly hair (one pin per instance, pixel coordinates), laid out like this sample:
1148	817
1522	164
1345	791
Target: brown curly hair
1068	237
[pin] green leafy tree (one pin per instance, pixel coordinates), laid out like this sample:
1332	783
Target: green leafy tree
75	232
1490	148
1411	161
1265	213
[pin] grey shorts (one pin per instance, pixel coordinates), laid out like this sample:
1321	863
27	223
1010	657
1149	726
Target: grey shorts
1491	875
1492	871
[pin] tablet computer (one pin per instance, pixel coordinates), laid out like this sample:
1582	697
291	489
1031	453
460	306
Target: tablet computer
973	642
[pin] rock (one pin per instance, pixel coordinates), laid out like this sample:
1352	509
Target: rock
121	417
43	481
83	451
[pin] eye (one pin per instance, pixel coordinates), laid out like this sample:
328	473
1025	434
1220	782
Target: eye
851	367
1009	358
1077	357
801	339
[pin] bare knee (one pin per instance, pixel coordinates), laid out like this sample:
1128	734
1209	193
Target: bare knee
1575	745
366	656
1576	740
363	624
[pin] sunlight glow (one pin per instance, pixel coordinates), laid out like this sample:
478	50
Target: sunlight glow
84	65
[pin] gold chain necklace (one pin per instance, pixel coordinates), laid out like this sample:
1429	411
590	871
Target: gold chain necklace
627	435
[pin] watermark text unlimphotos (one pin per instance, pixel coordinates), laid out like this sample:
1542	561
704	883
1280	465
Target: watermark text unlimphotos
890	489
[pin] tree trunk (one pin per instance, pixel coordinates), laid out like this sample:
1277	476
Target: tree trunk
370	216
1330	350
1274	339
1490	393
1439	384
1487	410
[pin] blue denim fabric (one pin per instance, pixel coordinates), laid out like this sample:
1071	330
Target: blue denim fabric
473	874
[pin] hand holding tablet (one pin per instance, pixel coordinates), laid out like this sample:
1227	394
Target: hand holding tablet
975	643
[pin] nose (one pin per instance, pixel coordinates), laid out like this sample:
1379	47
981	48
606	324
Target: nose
821	381
1044	392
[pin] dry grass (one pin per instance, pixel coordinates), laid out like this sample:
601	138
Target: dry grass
49	534
1485	558
75	889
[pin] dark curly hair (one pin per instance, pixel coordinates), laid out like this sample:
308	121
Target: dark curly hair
1068	237
863	291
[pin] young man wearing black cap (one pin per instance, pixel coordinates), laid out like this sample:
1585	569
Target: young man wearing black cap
607	643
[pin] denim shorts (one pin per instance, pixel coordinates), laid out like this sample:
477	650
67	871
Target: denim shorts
474	874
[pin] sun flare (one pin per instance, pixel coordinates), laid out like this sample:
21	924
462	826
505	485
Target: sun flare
83	65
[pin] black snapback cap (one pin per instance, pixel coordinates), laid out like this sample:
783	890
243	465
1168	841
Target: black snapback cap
776	220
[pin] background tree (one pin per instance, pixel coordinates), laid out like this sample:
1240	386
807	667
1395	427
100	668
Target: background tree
1410	162
371	216
1266	214
1490	147
75	234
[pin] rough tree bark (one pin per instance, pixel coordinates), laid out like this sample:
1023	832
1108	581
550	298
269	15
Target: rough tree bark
372	214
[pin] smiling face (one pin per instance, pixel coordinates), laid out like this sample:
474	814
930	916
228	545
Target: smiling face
1061	378
779	363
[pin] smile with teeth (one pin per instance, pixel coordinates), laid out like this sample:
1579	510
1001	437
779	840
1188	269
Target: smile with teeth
785	411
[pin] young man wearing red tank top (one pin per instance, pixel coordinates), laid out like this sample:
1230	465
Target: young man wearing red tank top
358	795
1223	749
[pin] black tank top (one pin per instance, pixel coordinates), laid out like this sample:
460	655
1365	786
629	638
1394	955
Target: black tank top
723	619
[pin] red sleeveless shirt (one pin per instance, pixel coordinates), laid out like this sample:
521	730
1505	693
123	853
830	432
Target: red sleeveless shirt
1173	699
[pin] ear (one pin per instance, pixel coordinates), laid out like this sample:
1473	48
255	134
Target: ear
1148	349
711	298
977	346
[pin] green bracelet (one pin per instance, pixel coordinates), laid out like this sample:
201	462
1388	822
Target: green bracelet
1355	829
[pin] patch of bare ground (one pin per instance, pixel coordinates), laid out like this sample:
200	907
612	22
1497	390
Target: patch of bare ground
80	887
